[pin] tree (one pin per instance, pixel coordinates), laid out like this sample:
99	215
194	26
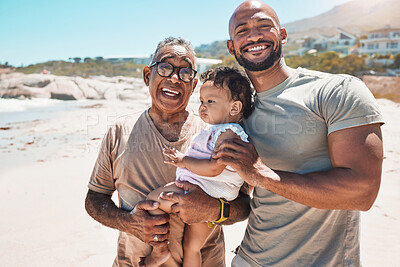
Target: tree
329	62
396	63
87	59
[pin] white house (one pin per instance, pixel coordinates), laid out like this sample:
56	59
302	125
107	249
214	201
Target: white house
381	42
342	42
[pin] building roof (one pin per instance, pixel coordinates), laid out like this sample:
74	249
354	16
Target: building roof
385	30
347	34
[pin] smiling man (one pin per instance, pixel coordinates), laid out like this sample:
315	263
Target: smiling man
316	155
131	162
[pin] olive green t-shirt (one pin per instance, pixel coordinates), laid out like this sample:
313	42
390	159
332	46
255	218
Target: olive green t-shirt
131	162
289	128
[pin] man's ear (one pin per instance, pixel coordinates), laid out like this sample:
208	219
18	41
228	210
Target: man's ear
229	44
283	35
146	75
236	108
195	81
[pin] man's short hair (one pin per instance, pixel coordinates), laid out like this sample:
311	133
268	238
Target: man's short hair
171	41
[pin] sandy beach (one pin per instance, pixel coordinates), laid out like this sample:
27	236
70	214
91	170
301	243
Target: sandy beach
45	163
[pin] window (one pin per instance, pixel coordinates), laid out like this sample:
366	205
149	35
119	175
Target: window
394	45
370	46
375	36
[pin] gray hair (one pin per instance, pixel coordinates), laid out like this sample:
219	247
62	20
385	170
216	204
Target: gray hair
171	41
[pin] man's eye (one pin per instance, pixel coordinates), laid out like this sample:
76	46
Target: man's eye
210	101
241	31
265	26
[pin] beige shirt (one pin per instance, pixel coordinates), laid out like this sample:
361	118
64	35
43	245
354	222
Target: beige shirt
289	128
131	162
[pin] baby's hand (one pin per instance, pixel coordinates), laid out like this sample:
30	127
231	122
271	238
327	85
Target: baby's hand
176	157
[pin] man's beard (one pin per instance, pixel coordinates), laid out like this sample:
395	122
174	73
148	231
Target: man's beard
259	66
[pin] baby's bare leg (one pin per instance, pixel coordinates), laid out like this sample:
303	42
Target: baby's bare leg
157	257
195	237
165	205
160	255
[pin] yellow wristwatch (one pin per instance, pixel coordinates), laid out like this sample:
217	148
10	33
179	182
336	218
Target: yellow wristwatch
225	211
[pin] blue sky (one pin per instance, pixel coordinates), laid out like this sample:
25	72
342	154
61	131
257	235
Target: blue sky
42	30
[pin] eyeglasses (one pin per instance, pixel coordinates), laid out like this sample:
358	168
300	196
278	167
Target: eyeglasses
165	69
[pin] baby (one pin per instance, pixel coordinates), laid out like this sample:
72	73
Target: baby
226	98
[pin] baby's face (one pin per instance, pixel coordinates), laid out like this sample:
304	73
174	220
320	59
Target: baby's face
216	104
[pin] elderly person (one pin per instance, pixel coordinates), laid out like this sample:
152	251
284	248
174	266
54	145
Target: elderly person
131	162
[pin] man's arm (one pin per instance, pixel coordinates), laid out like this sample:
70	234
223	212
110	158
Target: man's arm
138	222
196	206
353	183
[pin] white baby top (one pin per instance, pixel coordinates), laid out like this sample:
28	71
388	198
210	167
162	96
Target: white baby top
225	185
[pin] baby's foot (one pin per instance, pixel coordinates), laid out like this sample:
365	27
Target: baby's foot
157	257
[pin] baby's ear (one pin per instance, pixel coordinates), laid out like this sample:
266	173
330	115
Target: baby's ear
236	108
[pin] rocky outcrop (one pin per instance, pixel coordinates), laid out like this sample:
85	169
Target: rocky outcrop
19	85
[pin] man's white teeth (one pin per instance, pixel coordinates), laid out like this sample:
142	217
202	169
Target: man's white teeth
170	92
257	48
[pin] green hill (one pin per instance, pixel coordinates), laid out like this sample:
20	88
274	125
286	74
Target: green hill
85	69
216	49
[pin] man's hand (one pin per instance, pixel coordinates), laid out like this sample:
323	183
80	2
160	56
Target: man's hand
195	206
145	226
176	157
138	222
243	158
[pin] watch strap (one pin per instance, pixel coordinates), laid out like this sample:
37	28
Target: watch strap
224	215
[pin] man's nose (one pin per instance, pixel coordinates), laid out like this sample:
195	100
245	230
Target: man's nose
254	35
174	76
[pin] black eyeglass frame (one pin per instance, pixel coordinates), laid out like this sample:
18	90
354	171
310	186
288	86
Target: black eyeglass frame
173	70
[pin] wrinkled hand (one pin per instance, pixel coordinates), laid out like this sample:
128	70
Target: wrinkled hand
195	206
243	158
176	157
145	226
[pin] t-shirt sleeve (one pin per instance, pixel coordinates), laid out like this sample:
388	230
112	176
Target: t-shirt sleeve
102	180
236	128
349	104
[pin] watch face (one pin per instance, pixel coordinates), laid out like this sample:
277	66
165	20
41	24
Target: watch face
226	210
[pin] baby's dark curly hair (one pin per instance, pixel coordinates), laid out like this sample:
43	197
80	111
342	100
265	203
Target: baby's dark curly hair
236	81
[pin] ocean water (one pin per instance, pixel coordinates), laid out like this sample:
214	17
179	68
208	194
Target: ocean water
15	110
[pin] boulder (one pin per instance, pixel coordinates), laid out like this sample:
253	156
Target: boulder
37	80
64	88
113	90
23	91
12	80
15	85
89	92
